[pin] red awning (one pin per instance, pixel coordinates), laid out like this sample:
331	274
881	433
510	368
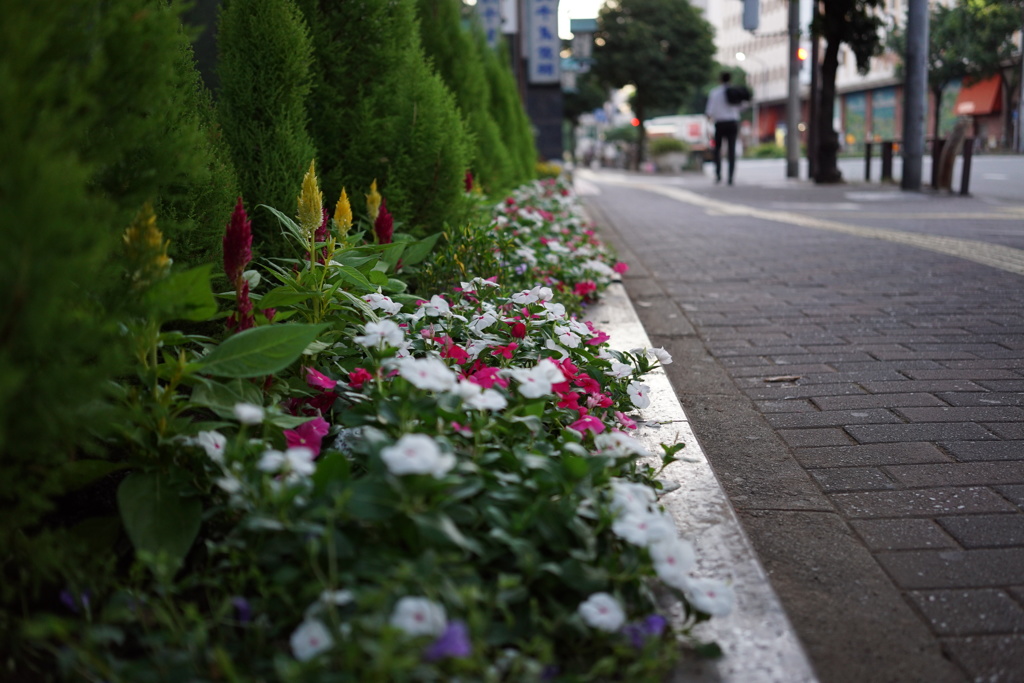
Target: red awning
980	98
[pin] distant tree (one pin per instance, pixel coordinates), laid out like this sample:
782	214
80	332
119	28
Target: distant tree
663	48
588	96
854	23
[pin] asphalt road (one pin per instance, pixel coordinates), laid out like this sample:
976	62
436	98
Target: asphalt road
851	358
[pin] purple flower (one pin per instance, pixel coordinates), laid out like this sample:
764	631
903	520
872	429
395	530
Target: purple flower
639	632
243	611
73	602
454	642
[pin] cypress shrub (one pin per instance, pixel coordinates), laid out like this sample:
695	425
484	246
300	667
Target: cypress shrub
265	62
507	109
455	56
383	114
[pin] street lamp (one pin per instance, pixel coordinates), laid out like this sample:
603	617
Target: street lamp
754	106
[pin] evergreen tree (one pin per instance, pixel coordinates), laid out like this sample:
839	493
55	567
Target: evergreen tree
455	56
507	109
265	71
383	114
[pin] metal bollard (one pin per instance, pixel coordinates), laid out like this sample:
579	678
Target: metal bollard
965	177
887	161
937	145
867	161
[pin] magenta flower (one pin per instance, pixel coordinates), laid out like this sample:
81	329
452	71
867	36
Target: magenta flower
454	642
487	378
518	330
308	435
505	351
582	289
237	244
469	181
384	226
318	380
588	422
358	377
620	267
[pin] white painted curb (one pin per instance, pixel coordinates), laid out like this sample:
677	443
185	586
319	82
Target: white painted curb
759	643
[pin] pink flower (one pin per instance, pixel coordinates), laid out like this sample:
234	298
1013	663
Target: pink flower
384	226
582	289
620	267
308	435
237	244
318	380
462	429
625	420
570	400
588	422
587	383
568	368
599	336
487	378
505	351
358	377
456	353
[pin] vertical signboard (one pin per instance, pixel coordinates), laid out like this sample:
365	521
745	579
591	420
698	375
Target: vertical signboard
543	45
489	12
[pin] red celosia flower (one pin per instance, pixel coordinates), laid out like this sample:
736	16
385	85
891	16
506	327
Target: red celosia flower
358	377
237	244
242	318
469	181
384	226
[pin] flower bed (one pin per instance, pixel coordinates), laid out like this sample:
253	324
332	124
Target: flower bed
363	483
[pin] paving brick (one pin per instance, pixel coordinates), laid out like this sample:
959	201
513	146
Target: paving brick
922	569
988	659
958	474
932	502
838	479
929	431
777	370
963	414
831	418
909	354
929	387
986	531
984	450
864	401
1012	385
902	534
961	373
870	455
970	612
794	406
810	438
772	392
866	375
1007	430
822	357
1012	493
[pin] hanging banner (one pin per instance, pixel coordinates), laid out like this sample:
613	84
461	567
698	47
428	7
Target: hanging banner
489	12
509	16
543	45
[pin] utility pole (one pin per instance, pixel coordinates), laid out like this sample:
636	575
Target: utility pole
915	94
814	107
793	101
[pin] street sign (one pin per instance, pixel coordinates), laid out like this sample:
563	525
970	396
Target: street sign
543	44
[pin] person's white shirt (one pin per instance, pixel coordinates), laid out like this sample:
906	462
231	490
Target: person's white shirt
718	108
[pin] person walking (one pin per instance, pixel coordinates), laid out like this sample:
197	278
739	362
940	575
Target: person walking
726	117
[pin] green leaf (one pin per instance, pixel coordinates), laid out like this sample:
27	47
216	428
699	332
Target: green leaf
222	397
353	276
330	468
417	251
283	296
184	296
371	501
395	286
159	520
440	527
378	277
287	223
78	474
259	351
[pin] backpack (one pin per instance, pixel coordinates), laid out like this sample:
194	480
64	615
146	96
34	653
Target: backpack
737	94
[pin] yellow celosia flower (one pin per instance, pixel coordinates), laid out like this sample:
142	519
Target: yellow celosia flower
145	248
311	203
343	214
373	202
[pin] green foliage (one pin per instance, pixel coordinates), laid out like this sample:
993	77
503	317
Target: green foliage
456	57
265	73
623	134
588	96
665	145
663	49
767	150
507	108
383	114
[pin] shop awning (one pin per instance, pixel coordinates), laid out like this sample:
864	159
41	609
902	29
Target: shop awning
979	99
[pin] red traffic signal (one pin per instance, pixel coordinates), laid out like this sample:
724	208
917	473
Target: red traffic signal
635	122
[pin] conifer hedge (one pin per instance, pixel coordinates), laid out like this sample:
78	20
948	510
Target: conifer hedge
507	108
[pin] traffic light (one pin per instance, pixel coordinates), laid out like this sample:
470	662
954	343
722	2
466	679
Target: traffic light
802	54
635	121
751	14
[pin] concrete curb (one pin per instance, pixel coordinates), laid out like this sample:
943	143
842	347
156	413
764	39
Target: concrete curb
759	643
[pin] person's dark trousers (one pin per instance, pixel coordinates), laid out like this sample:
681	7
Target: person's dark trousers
725	130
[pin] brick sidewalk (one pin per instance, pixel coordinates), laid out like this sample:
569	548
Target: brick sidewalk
862	402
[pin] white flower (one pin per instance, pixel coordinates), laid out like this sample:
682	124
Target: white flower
528	296
603	612
528	255
673	558
638	394
566	336
552	345
554	311
598	267
339	598
536	381
213	443
476	283
544	294
310	639
482	322
710	596
380	333
297	460
579	328
417	454
643	528
248	413
229	484
475	397
272	461
663	356
630	496
380	302
619	443
620	370
436	307
419	617
430	374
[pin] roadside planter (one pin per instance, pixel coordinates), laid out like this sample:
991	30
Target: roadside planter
363	483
